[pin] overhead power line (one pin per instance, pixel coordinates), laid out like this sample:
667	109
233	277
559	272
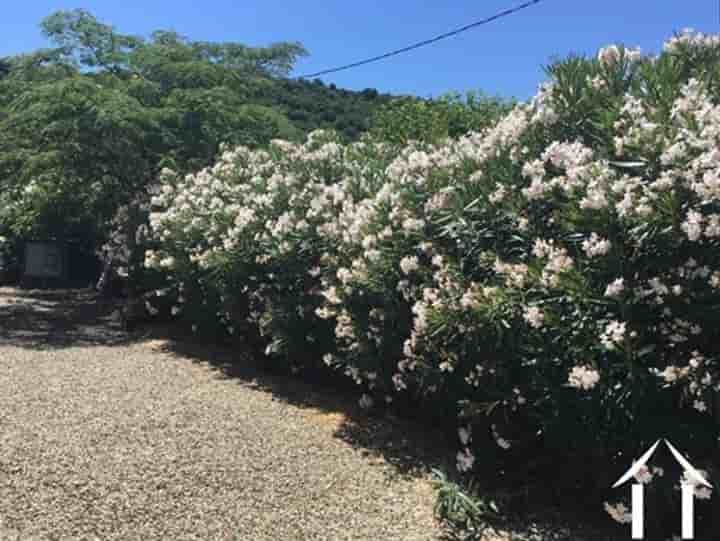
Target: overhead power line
425	42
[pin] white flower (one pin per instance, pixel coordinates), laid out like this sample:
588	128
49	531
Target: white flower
411	225
344	275
672	373
464	435
399	382
151	309
700	406
445	366
690	37
168	262
615	288
583	377
366	402
372	254
595	245
614	334
643	475
470	300
502	442
409	264
598	83
465	460
332	296
692	226
542	248
152	260
536	190
633	55
515	274
646	474
609	55
534	317
673	153
324	312
619	513
499	194
595	199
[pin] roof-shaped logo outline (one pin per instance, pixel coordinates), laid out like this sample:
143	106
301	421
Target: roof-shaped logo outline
690	470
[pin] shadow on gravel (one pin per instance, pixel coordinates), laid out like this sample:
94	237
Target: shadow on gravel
58	318
52	319
61	318
412	449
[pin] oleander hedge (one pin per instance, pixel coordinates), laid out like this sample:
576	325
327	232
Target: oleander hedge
550	284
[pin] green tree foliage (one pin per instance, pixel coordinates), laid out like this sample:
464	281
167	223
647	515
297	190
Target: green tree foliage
409	119
73	151
4	67
312	104
89	122
88	42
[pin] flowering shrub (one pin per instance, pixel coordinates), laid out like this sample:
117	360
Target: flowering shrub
553	280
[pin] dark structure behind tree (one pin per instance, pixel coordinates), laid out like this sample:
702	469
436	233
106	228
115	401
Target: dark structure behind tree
58	263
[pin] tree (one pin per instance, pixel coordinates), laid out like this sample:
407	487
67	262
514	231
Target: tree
95	45
90	43
73	151
405	119
91	120
88	123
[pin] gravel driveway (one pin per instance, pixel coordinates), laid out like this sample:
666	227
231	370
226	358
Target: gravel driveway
107	436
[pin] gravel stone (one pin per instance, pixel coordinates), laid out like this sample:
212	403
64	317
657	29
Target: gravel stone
112	438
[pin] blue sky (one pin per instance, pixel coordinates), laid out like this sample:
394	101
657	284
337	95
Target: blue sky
502	58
